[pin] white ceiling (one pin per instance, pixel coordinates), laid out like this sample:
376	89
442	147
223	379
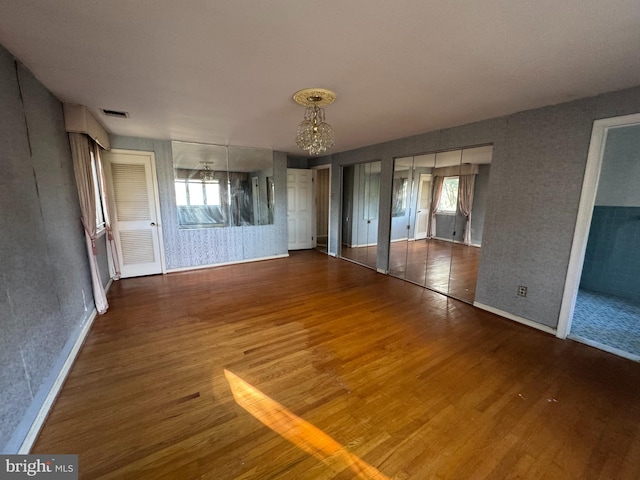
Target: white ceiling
224	71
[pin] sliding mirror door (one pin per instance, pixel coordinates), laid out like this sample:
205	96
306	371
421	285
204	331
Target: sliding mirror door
472	195
438	207
360	204
401	209
443	225
410	213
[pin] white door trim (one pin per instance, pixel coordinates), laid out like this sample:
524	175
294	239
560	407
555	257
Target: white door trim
585	212
156	197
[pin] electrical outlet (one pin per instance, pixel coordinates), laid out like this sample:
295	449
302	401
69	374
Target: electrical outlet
522	291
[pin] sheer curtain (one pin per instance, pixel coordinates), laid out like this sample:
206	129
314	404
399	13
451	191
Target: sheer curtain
438	181
115	257
81	153
465	202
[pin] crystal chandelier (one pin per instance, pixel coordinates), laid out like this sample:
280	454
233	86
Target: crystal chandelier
315	135
206	174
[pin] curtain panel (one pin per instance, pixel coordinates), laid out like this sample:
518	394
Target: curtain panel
81	153
114	258
438	182
465	202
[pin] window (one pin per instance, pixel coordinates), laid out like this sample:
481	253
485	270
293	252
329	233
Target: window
197	193
449	199
100	222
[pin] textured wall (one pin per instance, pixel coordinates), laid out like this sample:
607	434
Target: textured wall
533	192
209	246
45	289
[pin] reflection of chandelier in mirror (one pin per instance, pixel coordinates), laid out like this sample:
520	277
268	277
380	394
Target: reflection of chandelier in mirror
206	174
315	135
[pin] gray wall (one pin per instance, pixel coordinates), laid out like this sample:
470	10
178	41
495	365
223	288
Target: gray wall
209	246
533	193
45	288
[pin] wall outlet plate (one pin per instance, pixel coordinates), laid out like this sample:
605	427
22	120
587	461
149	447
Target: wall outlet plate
522	291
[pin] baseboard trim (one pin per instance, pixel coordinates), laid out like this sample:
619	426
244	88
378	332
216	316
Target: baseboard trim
43	412
212	265
516	318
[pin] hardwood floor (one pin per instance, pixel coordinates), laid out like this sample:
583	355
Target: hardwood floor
446	267
312	367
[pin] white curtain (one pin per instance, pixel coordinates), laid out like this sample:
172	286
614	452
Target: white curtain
81	153
115	257
438	181
465	202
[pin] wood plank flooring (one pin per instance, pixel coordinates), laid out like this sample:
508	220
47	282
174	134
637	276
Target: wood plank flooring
312	367
446	267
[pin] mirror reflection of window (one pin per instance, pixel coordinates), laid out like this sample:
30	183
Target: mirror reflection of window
220	186
449	198
197	192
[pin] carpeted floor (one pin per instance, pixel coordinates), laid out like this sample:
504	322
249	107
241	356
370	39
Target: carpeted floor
607	320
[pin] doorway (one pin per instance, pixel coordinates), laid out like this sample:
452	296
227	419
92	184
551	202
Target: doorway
424	206
300	208
601	305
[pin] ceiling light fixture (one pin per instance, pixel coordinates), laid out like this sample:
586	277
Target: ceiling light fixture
315	135
206	174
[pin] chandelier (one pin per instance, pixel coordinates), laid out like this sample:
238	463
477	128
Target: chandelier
315	135
206	174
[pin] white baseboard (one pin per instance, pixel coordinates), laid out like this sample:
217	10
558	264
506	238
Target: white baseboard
37	424
516	318
212	265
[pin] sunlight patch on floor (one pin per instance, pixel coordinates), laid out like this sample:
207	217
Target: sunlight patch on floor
301	433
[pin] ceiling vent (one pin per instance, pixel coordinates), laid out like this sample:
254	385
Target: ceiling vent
115	113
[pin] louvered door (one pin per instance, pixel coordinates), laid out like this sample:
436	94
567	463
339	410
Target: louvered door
134	213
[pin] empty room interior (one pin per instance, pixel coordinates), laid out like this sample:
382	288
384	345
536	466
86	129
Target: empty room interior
344	240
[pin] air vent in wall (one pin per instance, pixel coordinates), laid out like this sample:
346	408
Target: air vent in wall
115	113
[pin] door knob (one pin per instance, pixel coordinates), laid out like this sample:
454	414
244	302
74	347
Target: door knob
153	224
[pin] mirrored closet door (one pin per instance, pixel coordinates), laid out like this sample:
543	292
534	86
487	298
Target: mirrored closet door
360	205
438	205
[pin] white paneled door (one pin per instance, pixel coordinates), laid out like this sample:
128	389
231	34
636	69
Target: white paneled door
300	208
134	208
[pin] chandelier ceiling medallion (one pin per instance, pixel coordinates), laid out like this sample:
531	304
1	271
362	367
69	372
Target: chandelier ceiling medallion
315	135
